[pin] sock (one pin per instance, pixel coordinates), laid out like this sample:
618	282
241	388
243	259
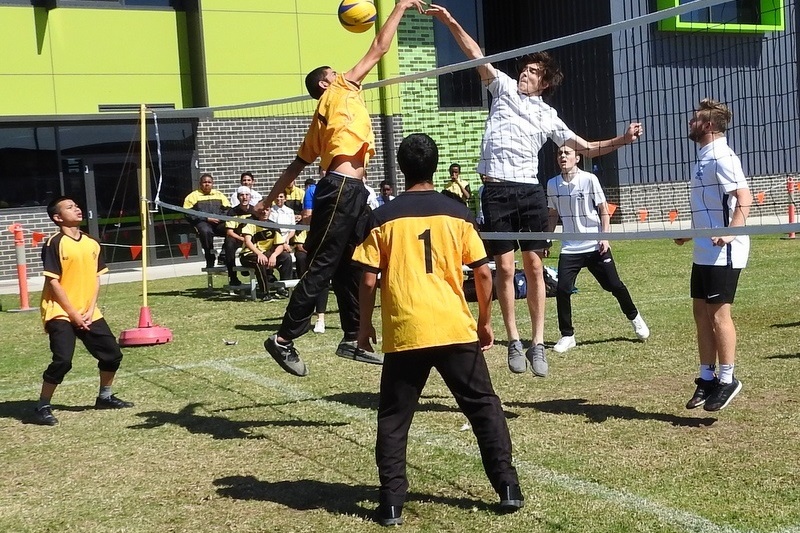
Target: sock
105	392
42	402
725	373
707	372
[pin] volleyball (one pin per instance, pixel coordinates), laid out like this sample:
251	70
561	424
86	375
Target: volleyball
357	16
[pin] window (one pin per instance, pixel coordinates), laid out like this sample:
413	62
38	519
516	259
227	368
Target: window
28	166
463	88
739	16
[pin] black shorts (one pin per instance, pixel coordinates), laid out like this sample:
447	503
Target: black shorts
714	284
510	207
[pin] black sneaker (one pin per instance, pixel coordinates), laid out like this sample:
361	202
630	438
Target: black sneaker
511	498
286	356
722	395
44	416
704	389
350	350
112	402
390	515
234	281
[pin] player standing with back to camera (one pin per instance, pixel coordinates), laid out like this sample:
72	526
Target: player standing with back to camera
418	243
720	198
513	199
341	135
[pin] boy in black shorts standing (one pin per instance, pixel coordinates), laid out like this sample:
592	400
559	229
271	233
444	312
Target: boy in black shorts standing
73	264
436	236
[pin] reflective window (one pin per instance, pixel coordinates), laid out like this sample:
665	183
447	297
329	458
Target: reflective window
463	88
28	166
736	12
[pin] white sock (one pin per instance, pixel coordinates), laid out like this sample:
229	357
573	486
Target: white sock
707	372
725	373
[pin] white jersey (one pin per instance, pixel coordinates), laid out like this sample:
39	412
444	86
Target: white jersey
282	215
717	173
576	202
517	128
254	198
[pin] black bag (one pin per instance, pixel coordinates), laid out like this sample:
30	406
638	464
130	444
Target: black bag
520	287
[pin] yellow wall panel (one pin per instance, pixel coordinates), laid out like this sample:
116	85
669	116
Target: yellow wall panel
253	6
114	41
23	41
82	93
31	94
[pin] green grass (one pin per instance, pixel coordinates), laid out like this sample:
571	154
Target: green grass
222	440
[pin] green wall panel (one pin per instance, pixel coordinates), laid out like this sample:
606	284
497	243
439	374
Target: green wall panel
29	94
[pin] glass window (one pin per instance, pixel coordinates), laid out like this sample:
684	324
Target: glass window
738	16
463	88
28	166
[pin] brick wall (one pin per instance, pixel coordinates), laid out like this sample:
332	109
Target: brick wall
32	219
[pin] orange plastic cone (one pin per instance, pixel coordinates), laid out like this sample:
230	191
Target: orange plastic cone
185	248
673	216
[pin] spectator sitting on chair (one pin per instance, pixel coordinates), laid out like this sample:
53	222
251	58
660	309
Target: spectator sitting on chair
281	214
294	199
246	180
233	239
457	189
264	249
386	193
211	201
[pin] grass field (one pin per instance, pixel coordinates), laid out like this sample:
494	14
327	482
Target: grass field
222	440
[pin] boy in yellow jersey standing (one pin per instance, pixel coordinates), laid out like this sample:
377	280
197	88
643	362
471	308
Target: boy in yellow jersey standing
418	244
73	264
341	135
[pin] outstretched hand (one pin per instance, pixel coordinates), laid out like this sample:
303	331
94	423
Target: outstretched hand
634	131
438	12
419	5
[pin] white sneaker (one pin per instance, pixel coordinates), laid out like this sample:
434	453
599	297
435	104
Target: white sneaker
640	328
564	344
319	327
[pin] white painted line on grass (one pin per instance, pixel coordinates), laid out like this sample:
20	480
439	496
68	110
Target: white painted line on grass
675	517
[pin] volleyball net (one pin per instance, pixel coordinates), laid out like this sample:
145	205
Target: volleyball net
645	64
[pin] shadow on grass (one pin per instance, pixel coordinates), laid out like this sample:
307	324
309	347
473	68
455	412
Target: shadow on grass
784	356
22	410
335	498
369	400
598	413
787	325
217	427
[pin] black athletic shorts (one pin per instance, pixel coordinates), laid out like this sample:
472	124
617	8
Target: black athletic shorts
714	284
513	208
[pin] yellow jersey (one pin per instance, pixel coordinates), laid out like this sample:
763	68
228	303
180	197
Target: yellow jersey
418	243
76	264
263	238
341	126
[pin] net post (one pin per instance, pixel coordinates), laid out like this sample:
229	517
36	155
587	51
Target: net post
792	214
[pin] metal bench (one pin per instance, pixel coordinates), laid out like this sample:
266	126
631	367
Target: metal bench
233	289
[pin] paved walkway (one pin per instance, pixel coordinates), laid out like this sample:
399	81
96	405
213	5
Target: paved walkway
126	275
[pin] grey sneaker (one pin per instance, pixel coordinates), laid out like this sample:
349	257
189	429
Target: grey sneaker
286	356
535	355
516	359
350	350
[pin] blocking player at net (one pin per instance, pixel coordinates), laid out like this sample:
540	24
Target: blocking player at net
341	135
513	198
418	243
720	198
578	198
73	264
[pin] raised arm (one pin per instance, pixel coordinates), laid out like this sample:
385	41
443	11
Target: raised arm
598	148
288	176
383	41
467	44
